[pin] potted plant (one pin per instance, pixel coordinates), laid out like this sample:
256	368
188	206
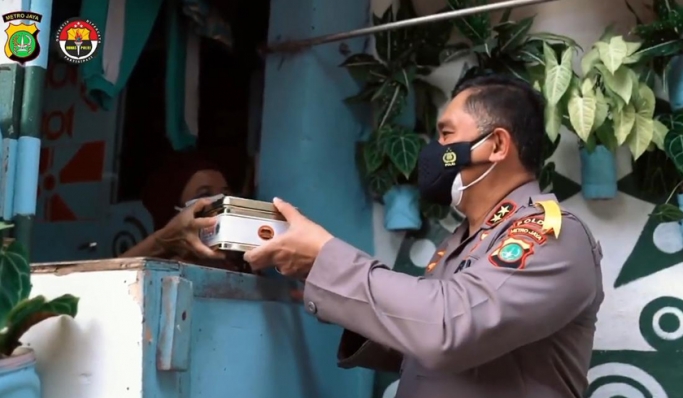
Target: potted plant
18	314
606	106
662	48
673	148
391	83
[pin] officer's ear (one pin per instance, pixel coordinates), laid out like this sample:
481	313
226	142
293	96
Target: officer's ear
502	145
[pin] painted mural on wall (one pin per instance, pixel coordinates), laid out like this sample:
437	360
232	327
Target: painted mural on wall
650	364
78	176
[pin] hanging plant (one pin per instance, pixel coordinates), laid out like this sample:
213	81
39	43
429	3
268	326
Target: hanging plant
673	147
661	40
403	113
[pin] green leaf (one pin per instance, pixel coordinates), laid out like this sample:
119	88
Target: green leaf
620	82
552	37
405	76
390	101
582	114
665	49
605	136
612	54
659	133
403	151
601	109
364	96
373	155
381	181
668	213
557	75
15	278
31	312
673	146
4	225
434	212
553	121
510	39
476	28
365	68
453	52
589	60
383	39
623	123
641	136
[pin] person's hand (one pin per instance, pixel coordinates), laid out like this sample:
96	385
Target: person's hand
181	235
293	252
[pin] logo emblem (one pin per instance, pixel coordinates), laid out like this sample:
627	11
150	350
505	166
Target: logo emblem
21	43
79	40
266	232
512	253
449	158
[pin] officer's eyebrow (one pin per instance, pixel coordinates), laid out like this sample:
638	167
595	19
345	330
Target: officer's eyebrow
445	124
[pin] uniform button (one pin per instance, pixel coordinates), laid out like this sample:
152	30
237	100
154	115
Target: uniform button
310	307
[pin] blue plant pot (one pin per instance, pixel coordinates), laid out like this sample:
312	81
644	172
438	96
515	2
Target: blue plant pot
18	377
408	116
598	174
675	81
402	209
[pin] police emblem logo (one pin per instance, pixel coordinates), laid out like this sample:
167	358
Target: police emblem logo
79	40
449	158
21	43
511	253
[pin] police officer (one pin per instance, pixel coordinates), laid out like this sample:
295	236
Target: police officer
508	304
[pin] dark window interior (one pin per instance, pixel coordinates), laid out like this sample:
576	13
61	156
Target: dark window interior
224	100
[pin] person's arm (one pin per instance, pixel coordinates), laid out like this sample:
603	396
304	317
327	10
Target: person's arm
153	245
357	351
485	311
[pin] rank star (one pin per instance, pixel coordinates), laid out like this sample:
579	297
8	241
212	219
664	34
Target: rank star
504	210
496	217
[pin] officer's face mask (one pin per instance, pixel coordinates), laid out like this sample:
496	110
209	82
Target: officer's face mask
439	176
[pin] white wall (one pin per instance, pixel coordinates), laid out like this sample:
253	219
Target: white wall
617	223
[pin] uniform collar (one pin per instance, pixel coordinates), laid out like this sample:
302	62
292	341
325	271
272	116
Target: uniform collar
519	197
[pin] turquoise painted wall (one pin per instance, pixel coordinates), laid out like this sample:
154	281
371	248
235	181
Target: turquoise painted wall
309	135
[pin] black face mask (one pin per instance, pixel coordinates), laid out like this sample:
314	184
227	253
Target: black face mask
438	165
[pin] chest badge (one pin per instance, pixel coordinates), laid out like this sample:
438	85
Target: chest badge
505	210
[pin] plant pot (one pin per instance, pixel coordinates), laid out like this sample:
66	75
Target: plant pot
675	82
598	173
408	116
402	209
18	377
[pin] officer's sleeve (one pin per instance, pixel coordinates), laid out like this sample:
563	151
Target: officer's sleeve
357	351
522	291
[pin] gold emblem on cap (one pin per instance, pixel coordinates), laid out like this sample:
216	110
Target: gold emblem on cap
449	158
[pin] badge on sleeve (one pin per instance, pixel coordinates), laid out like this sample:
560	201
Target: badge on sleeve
512	253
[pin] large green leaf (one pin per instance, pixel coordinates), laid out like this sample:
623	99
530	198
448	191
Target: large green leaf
589	60
365	68
5	225
582	114
553	121
453	52
477	27
381	181
641	136
558	75
612	54
623	123
15	279
619	83
510	38
659	134
667	48
403	151
373	155
673	146
668	213
390	101
31	312
601	109
552	37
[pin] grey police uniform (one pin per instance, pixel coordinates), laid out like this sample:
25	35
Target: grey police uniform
509	311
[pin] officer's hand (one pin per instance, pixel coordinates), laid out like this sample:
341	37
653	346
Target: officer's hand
293	252
181	235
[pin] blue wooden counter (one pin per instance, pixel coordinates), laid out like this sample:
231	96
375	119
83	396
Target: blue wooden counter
192	332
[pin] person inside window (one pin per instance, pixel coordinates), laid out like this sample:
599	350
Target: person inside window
184	177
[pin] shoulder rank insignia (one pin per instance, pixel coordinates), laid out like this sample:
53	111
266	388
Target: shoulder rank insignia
504	210
511	253
435	260
552	216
